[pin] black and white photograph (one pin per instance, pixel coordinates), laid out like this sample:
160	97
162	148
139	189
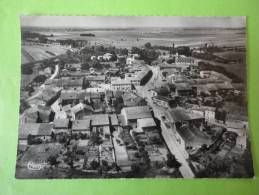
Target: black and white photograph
133	97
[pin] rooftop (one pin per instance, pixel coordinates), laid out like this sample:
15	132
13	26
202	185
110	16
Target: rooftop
182	86
114	119
61	123
146	122
163	98
179	115
121	82
137	112
79	125
66	95
100	119
40	129
95	78
193	137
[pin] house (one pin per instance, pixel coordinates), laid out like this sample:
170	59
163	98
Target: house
183	89
208	112
178	79
121	58
121	84
133	78
39	114
49	95
114	121
130	60
183	60
146	124
93	58
132	114
108	96
80	110
182	127
107	56
164	101
113	71
191	139
162	91
131	99
202	89
180	116
61	125
70	83
71	97
74	67
95	79
41	131
99	58
81	126
100	123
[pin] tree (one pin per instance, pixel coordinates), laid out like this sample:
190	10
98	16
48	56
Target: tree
52	160
51	116
149	55
38	120
32	140
124	51
184	50
105	165
39	79
97	65
137	155
172	161
136	50
148	45
86	83
23	105
85	66
53	136
43	39
171	60
146	78
95	138
135	168
26	69
94	164
113	57
69	53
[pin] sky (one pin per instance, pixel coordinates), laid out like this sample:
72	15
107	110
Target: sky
131	21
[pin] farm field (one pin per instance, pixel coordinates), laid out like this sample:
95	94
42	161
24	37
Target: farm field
156	36
31	53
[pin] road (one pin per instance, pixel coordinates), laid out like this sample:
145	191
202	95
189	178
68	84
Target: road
144	91
173	144
42	87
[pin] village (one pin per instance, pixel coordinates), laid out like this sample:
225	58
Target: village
154	111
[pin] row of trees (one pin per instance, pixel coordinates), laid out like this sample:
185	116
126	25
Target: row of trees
32	35
220	69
